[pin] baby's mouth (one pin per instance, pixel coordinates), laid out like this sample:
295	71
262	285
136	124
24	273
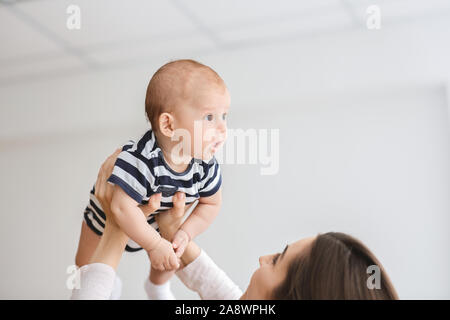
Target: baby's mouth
216	145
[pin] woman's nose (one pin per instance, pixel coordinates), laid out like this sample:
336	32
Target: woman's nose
263	260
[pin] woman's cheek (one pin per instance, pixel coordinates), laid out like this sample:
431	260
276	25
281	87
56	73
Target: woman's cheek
259	287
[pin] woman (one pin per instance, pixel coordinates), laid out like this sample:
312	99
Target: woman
326	266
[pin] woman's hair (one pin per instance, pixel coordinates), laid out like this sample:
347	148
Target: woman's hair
335	266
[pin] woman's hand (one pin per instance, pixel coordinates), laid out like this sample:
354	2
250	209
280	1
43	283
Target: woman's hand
180	241
103	189
113	241
170	221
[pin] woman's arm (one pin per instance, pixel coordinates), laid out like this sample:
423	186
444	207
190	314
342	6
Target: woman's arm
112	244
97	277
113	241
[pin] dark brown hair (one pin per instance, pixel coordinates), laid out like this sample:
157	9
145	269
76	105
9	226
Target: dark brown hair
172	83
334	267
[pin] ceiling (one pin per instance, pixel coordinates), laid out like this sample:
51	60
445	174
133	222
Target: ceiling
36	43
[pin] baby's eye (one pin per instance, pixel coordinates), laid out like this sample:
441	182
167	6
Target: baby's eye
224	116
209	117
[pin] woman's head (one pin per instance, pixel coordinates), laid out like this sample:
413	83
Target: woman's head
328	266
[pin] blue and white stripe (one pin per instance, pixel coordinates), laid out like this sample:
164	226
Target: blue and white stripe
141	171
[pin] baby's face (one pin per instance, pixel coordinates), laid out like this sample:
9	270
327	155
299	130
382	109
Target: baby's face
204	116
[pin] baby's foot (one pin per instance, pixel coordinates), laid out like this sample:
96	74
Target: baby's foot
158	291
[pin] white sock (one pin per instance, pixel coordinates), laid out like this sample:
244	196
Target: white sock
96	282
158	291
117	289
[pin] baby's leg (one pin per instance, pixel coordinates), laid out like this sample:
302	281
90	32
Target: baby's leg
160	277
87	245
89	241
157	285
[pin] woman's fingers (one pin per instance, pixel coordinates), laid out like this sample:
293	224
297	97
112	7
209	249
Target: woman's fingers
178	239
153	204
180	250
174	262
179	201
100	184
109	163
102	189
167	265
179	245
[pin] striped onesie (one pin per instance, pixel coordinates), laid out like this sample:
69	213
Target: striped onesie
141	171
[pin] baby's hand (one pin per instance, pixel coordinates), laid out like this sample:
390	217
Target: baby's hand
180	242
163	257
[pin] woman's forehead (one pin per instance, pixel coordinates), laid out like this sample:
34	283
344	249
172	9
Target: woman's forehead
300	245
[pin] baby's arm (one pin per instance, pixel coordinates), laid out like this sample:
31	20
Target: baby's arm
198	221
132	221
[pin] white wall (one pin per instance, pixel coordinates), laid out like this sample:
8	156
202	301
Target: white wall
375	166
364	149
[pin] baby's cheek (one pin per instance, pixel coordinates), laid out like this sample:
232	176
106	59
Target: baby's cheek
208	134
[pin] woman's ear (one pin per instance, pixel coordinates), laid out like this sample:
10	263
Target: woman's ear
166	124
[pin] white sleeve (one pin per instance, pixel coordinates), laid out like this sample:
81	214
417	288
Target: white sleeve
208	280
96	282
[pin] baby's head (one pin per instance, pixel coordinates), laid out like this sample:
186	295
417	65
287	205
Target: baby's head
184	95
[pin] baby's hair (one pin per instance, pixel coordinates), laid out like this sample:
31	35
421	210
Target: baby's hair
173	82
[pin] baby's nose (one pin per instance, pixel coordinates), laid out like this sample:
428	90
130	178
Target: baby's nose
222	127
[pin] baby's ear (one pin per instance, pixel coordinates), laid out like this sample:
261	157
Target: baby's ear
166	124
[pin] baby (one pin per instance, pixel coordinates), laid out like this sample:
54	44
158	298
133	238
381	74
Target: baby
186	104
